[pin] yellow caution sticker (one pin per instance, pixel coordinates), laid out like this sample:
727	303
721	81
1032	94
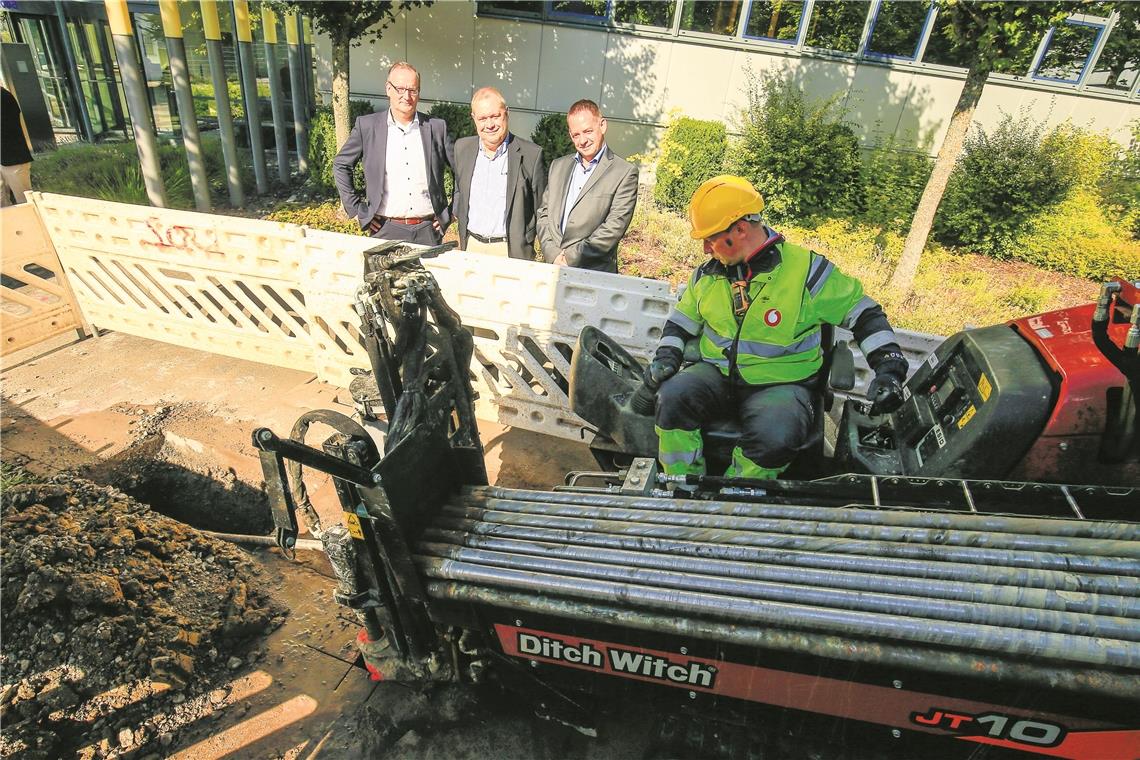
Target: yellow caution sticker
984	387
966	416
352	522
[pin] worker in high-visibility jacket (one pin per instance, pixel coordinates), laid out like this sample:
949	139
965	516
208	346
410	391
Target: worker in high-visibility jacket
757	306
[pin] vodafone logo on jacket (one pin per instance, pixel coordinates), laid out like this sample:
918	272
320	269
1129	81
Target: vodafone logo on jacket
772	317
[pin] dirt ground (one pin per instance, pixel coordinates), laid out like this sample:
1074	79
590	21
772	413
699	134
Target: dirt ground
171	427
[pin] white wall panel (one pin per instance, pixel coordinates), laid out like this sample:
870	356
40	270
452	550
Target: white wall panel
507	56
441	45
747	67
698	79
572	63
636	72
369	62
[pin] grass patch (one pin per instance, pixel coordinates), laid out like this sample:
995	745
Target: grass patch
13	475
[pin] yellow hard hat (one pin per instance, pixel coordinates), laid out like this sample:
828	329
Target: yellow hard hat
719	202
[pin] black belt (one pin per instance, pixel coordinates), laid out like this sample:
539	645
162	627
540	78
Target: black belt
482	239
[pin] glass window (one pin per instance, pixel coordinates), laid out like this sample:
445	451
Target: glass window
897	28
838	25
588	9
1119	61
1067	50
646	12
521	7
940	48
777	20
710	16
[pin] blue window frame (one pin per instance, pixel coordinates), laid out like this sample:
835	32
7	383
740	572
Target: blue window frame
895	44
1062	48
765	14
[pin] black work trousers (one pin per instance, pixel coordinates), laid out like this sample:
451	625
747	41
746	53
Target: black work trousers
775	420
423	233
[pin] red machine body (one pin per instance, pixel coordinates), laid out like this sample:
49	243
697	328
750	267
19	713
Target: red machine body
1089	388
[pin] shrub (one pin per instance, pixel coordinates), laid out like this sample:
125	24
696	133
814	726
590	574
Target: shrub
691	151
893	181
1120	185
553	137
801	156
323	216
1077	238
322	144
457	116
1000	183
1030	298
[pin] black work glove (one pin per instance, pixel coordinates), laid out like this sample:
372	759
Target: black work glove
886	393
665	364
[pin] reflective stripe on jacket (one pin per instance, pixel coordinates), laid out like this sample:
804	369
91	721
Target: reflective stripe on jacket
779	338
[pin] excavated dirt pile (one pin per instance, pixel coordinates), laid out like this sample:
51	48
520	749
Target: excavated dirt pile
106	605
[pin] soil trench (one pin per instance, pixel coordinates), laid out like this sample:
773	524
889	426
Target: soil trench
130	633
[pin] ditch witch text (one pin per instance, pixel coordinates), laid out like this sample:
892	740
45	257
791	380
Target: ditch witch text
620	661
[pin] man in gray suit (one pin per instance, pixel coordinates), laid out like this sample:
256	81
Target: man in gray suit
404	153
499	180
589	200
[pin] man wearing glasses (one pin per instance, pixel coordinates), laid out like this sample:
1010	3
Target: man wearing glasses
404	153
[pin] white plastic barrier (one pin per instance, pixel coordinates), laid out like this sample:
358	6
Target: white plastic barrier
283	294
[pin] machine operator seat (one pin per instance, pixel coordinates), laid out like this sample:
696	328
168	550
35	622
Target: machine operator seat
722	434
605	378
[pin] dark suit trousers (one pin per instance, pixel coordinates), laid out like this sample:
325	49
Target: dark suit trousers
423	233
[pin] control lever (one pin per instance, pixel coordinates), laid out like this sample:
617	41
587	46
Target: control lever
644	400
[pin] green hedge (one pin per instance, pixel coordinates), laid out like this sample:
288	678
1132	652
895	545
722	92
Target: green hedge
802	157
893	181
691	151
457	116
322	144
553	137
1002	180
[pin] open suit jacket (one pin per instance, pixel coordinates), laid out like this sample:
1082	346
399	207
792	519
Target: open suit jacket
368	140
526	180
600	215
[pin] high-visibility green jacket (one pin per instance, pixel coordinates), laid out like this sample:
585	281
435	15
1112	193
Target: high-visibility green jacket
778	340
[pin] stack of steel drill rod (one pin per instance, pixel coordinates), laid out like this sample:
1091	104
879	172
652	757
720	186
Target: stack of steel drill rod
1034	600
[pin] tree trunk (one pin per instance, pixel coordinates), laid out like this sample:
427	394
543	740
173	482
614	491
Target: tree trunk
903	277
340	90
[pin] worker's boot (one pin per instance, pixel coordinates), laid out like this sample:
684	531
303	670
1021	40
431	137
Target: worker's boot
681	452
743	467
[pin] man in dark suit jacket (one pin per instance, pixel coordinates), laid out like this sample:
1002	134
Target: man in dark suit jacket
404	153
499	180
589	199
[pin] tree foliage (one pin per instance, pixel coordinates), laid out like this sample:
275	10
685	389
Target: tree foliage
989	35
801	155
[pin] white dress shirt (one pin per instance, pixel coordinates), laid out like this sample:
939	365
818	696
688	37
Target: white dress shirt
579	176
487	210
405	172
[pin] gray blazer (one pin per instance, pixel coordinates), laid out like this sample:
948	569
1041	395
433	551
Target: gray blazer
599	218
368	140
526	181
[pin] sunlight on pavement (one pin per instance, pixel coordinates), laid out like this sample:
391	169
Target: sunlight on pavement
250	730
